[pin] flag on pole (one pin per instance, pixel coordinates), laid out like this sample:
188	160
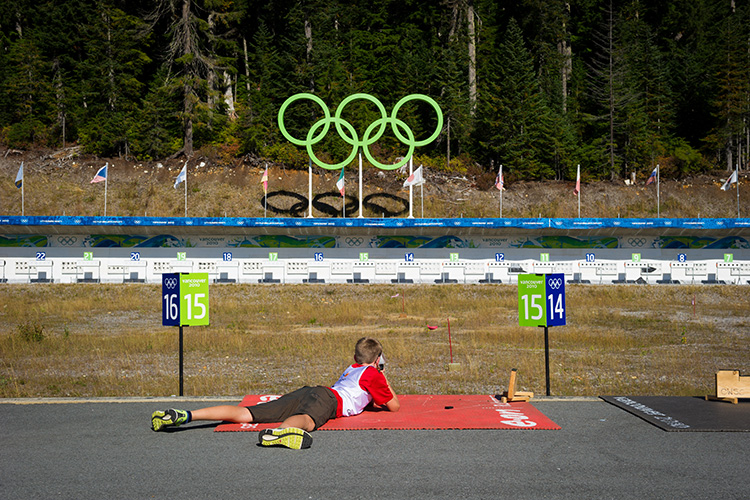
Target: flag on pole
577	190
415	179
652	177
340	183
101	175
731	180
264	180
181	176
499	180
19	177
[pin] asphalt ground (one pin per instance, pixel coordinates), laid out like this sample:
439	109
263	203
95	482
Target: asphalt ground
105	449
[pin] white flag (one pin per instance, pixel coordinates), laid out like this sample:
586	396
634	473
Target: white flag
19	177
181	177
732	179
415	179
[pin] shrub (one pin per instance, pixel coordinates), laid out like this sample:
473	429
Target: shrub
31	332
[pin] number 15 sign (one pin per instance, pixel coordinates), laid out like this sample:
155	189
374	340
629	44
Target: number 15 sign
541	299
184	299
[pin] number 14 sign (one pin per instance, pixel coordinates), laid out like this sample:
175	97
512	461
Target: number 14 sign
541	299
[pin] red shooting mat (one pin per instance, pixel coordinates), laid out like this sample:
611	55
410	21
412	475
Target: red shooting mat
427	412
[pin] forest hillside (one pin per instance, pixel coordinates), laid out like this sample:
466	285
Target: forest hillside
540	87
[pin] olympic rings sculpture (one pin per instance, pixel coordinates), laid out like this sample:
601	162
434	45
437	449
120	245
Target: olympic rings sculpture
347	132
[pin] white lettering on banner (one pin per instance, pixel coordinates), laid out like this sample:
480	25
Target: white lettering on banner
513	416
269	397
661	417
248	426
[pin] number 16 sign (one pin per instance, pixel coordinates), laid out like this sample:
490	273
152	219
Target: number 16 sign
184	299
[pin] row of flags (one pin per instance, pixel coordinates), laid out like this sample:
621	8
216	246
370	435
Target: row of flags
101	176
415	179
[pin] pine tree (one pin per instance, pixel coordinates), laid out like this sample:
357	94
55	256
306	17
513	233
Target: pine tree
112	76
513	119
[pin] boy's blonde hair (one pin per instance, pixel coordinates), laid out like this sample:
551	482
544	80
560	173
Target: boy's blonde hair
367	350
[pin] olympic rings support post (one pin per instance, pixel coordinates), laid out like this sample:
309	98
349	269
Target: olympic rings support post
348	133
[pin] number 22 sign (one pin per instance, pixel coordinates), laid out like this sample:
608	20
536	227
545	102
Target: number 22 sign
184	299
541	299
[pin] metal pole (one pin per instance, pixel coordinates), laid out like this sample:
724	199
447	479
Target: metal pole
658	181
737	172
360	185
421	187
181	381
546	356
186	177
411	188
502	186
309	190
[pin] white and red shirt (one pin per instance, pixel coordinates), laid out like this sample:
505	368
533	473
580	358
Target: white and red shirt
357	386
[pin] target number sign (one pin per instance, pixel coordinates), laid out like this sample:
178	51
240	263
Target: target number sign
184	299
541	299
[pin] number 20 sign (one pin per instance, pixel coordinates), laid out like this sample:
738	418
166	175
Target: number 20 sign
541	299
184	299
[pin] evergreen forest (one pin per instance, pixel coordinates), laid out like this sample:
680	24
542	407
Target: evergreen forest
538	86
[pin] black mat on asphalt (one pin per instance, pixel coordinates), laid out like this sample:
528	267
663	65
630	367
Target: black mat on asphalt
676	413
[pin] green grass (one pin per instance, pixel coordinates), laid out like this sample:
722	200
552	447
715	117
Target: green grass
107	340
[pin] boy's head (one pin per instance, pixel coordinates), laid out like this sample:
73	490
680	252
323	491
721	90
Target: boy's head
367	350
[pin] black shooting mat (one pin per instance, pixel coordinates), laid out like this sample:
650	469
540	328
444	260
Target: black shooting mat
686	414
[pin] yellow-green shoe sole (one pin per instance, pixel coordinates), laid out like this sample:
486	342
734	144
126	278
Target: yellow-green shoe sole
291	437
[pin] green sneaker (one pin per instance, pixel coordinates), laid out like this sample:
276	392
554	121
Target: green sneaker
291	437
168	418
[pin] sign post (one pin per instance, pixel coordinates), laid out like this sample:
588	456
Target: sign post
541	302
184	303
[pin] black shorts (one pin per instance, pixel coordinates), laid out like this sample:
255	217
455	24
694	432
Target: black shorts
319	403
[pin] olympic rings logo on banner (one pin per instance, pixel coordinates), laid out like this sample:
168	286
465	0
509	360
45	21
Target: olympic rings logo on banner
347	132
66	240
555	283
170	283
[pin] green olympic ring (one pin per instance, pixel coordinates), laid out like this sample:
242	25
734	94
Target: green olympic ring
347	132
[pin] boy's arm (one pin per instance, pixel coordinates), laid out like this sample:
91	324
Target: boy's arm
393	404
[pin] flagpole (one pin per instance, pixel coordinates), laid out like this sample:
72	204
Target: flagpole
737	176
658	202
265	194
421	188
579	192
23	182
411	188
186	176
360	184
106	181
343	195
502	188
309	190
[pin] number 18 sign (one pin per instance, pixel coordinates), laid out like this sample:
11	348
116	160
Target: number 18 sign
541	299
184	299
